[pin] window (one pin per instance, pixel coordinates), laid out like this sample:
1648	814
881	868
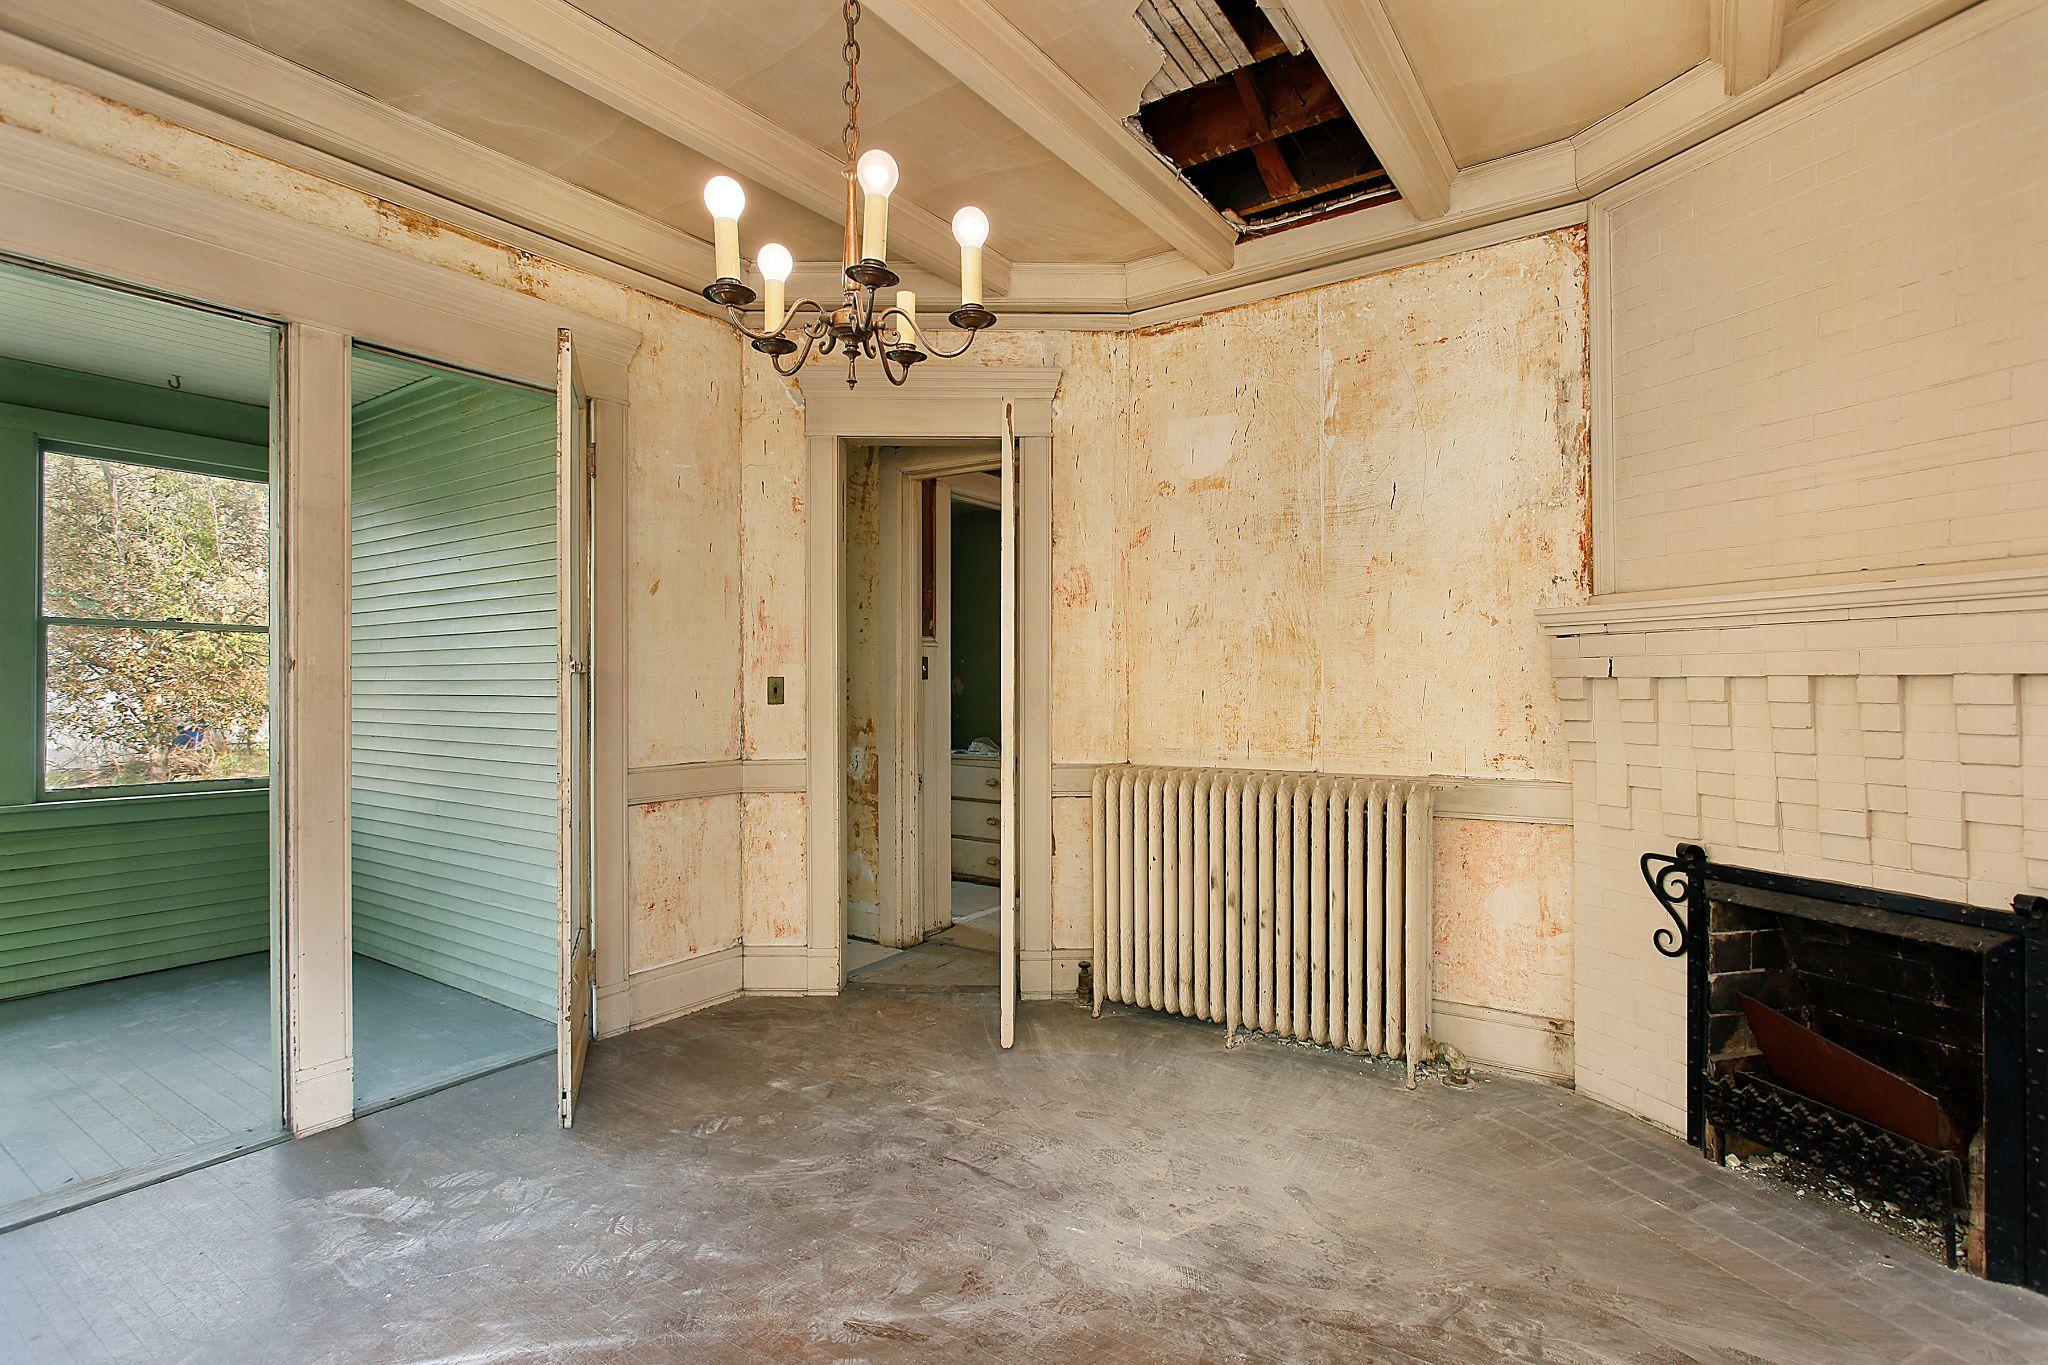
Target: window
153	626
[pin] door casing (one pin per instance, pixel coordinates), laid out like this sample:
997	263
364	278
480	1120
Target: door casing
934	411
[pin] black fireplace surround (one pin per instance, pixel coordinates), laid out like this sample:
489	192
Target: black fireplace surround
1906	998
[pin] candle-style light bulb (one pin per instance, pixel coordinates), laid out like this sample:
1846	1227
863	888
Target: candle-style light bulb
970	230
726	200
876	172
906	308
775	263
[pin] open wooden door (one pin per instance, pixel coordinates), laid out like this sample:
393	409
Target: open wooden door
1008	738
573	732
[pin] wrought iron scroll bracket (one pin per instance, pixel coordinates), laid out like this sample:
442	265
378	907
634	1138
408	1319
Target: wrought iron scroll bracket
1672	881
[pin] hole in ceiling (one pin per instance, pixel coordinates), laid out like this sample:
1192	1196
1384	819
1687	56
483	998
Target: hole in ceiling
1243	111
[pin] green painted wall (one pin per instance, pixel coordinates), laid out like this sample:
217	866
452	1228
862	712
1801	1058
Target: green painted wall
977	623
454	686
96	889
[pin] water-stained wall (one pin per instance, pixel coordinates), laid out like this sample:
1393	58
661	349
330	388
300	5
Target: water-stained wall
1344	507
1311	533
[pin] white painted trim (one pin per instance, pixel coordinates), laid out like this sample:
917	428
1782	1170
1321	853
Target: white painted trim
774	969
76	208
1521	801
2001	590
1356	47
959	405
611	888
662	993
1505	1040
684	781
159	60
1746	38
1600	362
984	50
559	39
943	402
319	1037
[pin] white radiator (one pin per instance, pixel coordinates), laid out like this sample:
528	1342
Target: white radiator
1283	903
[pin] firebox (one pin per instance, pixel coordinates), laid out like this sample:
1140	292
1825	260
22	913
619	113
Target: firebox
1897	1042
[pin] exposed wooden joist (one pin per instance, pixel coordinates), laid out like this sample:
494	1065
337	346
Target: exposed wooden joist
175	67
1746	38
987	53
1355	43
559	39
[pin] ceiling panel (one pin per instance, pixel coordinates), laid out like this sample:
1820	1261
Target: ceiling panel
396	53
953	148
1506	75
53	320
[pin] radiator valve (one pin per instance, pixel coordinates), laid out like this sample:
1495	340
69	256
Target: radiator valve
1457	1071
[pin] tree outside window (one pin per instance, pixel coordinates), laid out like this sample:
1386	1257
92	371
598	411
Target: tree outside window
155	598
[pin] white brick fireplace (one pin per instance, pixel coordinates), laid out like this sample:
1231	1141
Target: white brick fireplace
1891	735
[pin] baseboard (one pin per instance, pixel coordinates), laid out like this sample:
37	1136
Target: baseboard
665	993
775	969
323	1097
1504	1040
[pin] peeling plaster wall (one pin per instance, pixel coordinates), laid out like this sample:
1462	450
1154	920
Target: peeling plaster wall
683	507
1337	513
1346	504
1315	557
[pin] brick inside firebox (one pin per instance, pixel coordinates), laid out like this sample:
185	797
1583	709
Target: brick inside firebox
1912	1004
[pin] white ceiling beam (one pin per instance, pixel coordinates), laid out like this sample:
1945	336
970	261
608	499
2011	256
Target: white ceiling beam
1747	37
150	56
555	37
987	54
1354	42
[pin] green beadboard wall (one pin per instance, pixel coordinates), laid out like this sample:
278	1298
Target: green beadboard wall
91	890
453	686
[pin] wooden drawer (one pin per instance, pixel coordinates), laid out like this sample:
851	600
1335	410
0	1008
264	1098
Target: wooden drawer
977	819
977	781
976	858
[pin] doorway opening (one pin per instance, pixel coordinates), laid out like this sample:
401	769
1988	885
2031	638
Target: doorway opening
139	1008
936	924
454	792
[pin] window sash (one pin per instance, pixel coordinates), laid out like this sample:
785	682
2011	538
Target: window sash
44	791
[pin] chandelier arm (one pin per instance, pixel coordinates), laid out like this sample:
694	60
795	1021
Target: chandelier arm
810	340
897	375
734	316
923	341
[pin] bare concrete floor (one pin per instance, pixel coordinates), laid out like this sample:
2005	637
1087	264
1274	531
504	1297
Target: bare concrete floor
869	1177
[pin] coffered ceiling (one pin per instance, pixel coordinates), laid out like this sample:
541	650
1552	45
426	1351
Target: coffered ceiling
593	124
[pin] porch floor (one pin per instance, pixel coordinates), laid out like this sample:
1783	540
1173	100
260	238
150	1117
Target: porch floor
117	1081
869	1176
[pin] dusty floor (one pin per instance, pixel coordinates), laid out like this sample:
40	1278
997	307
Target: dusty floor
869	1177
112	1084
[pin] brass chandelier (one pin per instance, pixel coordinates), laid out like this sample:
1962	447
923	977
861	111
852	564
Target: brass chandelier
852	325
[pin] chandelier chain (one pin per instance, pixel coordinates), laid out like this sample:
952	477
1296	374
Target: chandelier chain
856	321
851	94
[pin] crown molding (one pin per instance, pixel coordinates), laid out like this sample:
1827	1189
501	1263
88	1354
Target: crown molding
178	69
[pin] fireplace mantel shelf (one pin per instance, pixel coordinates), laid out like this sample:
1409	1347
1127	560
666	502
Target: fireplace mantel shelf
2006	590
